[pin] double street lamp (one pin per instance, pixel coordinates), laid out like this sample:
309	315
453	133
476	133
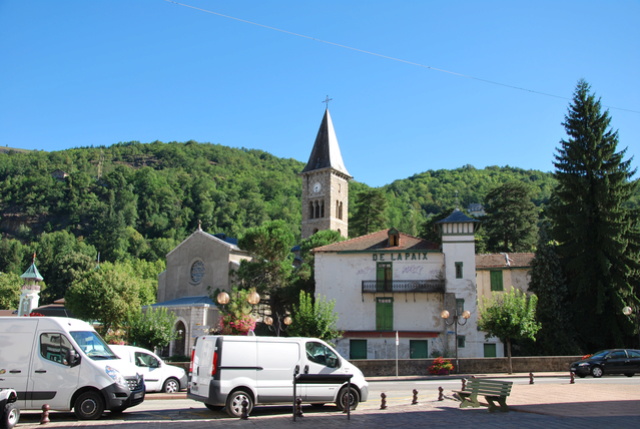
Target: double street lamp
457	320
278	325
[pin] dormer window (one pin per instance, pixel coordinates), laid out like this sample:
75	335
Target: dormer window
394	237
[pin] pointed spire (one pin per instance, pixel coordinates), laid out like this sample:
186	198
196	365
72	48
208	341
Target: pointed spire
326	151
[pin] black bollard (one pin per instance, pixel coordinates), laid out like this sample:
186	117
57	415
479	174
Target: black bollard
464	383
45	414
530	378
245	410
440	394
299	407
415	397
383	402
572	381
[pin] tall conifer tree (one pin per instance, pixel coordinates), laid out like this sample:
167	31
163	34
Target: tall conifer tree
598	234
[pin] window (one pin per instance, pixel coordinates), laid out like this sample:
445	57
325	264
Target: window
384	276
461	341
56	348
394	237
496	281
384	314
146	360
322	355
459	273
357	349
418	349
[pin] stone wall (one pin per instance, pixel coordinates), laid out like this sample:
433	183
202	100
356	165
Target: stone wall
387	367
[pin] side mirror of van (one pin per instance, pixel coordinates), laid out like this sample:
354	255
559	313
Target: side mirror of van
73	358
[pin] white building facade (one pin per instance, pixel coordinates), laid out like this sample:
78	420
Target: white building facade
390	288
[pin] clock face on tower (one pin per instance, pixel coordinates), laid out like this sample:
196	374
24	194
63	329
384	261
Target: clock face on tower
317	187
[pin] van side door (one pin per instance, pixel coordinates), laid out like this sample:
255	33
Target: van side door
320	359
276	364
149	367
54	374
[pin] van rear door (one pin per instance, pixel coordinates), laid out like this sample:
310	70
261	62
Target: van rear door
16	344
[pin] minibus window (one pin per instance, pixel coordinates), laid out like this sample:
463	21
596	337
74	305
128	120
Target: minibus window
93	345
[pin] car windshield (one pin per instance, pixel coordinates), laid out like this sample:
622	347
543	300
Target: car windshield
93	345
600	354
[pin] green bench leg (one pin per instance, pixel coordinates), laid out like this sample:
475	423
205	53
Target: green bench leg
469	400
502	400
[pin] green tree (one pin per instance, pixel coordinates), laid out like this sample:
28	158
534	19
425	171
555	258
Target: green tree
549	285
511	218
597	232
237	315
314	318
10	285
305	273
509	316
369	213
152	328
106	294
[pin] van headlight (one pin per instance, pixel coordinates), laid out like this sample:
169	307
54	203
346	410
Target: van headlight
116	376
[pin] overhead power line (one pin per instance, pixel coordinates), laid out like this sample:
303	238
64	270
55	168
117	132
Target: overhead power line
492	82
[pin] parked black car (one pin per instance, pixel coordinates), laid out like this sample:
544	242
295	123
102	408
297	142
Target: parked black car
614	361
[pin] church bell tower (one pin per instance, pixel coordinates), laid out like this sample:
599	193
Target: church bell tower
325	185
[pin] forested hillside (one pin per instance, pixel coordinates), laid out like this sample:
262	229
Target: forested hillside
134	200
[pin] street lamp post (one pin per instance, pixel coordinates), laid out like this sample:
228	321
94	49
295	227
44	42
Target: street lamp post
278	325
455	322
628	311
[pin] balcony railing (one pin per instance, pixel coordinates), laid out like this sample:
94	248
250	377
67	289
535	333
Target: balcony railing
396	286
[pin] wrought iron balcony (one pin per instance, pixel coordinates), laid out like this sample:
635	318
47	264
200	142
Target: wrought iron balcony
396	286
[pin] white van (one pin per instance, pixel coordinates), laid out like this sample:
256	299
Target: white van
65	364
158	375
227	370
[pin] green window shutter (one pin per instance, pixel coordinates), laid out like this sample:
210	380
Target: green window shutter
496	281
384	314
357	349
490	350
418	349
384	276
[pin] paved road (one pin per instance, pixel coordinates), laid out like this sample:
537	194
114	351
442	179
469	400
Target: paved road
549	405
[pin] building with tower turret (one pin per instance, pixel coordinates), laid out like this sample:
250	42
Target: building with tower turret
325	185
30	292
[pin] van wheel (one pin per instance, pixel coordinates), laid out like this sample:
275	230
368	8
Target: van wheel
343	397
11	416
234	403
171	386
88	406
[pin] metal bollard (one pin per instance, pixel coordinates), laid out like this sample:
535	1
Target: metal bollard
530	378
464	384
299	407
245	410
383	401
45	414
572	380
415	397
440	394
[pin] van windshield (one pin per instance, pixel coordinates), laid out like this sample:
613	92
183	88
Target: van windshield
93	345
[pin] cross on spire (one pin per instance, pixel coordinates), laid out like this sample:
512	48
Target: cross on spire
327	100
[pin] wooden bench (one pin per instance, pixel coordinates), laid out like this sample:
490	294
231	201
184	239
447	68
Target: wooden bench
492	390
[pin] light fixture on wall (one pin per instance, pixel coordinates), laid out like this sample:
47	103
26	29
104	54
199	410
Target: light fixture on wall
457	320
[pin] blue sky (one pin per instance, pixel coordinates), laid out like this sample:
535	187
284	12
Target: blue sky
416	85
